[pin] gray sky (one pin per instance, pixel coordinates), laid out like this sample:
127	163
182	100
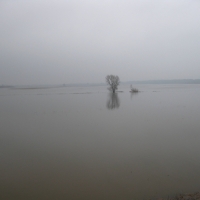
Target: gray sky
71	41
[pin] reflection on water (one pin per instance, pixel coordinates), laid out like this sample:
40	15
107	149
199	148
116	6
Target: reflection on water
133	94
113	101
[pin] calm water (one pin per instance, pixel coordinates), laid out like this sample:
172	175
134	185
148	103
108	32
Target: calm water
84	143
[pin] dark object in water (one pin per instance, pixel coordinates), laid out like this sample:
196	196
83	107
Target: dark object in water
134	90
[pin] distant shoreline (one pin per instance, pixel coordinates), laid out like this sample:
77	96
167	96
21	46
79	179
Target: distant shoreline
35	86
173	81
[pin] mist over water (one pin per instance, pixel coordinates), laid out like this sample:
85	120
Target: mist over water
85	143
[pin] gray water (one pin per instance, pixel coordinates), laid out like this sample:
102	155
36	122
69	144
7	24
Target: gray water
84	143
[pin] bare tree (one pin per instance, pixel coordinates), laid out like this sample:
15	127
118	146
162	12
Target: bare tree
113	82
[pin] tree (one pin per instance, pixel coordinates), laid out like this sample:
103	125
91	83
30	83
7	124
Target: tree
113	82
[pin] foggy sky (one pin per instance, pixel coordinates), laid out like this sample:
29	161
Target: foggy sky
71	41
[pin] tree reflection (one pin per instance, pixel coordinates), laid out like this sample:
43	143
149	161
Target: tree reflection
113	101
133	94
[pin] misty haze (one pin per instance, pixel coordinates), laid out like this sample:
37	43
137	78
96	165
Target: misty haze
99	99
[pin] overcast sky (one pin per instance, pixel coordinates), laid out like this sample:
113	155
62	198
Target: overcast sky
82	41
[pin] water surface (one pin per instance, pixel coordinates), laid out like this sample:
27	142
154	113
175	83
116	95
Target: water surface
84	143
